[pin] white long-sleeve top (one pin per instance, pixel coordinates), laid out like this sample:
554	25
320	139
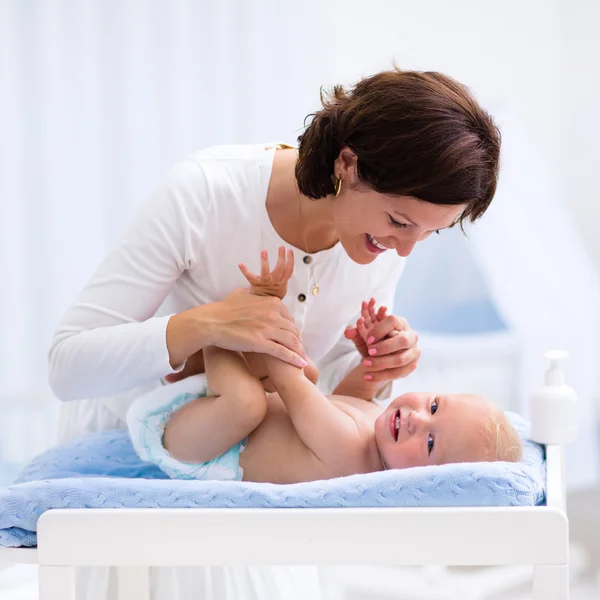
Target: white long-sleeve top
182	250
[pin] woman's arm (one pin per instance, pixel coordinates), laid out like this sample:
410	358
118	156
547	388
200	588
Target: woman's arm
241	322
110	341
355	385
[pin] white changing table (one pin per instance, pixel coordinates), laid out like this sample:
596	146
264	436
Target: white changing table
135	539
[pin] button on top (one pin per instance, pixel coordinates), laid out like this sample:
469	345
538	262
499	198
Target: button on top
301	297
307	260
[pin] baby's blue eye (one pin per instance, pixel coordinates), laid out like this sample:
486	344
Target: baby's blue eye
434	407
430	443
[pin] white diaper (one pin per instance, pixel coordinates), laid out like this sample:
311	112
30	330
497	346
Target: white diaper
147	418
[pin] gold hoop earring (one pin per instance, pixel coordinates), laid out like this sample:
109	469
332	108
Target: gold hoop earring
338	186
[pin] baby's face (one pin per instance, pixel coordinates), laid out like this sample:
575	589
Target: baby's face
419	429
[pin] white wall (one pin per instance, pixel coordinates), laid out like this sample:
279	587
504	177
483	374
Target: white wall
536	59
578	77
507	52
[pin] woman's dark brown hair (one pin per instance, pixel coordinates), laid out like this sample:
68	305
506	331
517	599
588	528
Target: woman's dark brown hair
419	134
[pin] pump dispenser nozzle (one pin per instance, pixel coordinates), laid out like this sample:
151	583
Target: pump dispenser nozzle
555	375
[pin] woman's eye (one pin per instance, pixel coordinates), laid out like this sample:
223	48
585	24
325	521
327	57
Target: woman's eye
437	231
396	223
430	444
434	407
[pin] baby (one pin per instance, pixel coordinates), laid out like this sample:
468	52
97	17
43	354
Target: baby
297	433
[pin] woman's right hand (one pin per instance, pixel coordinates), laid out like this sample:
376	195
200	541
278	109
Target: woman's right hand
242	322
249	323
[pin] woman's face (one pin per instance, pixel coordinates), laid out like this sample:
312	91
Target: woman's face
368	223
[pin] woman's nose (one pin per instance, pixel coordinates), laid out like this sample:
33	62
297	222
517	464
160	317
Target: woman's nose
404	247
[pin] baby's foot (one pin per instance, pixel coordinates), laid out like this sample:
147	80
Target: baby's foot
271	283
369	318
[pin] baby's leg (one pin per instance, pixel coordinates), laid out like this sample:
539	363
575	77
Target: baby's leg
257	365
209	426
311	372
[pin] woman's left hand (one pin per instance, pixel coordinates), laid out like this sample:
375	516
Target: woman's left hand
387	344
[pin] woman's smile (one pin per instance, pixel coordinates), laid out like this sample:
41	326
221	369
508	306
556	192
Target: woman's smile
373	245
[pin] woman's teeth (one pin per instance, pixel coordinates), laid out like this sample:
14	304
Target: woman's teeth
397	424
375	242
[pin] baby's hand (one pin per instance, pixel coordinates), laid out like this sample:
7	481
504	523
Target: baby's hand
271	283
369	318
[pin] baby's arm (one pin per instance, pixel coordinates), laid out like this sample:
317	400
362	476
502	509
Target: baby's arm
327	431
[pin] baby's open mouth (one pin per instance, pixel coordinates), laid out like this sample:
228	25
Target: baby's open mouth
395	421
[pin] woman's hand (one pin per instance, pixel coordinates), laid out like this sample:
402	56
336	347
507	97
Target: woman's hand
386	342
248	323
252	320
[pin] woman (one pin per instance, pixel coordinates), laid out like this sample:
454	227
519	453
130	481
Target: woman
379	168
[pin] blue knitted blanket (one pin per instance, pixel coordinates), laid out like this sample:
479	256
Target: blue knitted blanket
102	470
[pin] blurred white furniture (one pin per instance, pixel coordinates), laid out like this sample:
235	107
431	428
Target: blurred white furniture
479	363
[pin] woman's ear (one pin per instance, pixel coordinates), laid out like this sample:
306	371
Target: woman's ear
345	166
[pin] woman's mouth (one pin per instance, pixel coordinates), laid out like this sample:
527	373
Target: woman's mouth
395	421
373	245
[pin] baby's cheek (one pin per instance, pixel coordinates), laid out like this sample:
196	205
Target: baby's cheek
409	453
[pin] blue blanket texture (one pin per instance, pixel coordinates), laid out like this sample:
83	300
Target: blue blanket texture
101	470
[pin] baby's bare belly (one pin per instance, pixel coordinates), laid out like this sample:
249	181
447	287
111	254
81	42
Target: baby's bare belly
276	454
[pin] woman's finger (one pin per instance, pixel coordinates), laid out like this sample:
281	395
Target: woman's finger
384	327
283	310
282	353
288	326
392	361
289	340
391	374
394	342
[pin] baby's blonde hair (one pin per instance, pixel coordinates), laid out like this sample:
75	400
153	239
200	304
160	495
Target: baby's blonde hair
501	440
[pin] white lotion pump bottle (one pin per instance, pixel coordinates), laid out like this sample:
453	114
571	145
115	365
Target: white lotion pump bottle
554	406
